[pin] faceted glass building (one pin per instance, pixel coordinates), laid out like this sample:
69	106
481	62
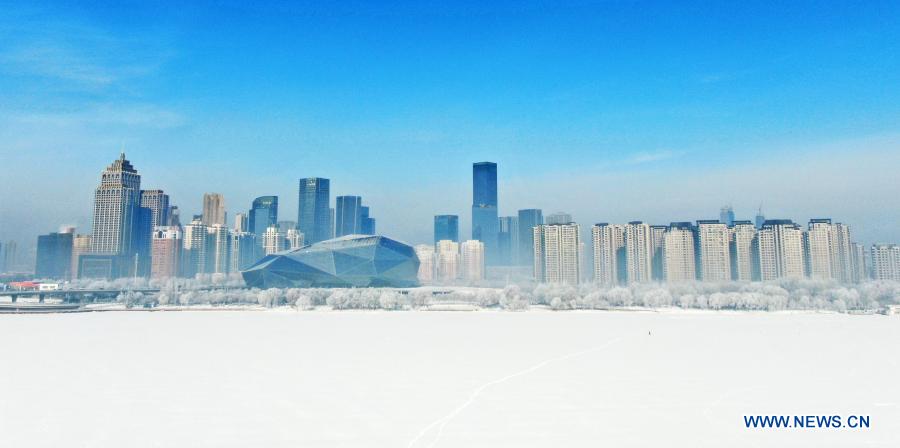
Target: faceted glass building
351	261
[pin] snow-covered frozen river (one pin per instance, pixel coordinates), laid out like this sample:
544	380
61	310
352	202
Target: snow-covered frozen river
441	379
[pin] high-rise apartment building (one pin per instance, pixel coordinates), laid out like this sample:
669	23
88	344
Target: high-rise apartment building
638	252
842	256
425	253
485	222
446	227
528	219
781	253
679	253
241	222
471	260
744	253
557	254
447	258
858	259
195	237
220	252
314	214
508	241
714	252
608	250
293	239
886	262
820	248
213	209
657	246
273	241
166	245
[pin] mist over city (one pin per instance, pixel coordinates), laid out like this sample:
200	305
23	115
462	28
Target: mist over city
449	224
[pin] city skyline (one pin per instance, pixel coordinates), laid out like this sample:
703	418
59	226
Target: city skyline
575	112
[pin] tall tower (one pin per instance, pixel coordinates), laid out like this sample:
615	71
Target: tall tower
263	214
347	215
313	210
446	227
528	220
485	223
213	209
116	220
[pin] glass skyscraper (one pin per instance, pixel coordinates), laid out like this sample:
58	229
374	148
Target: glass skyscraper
313	210
485	220
446	227
263	213
347	215
528	220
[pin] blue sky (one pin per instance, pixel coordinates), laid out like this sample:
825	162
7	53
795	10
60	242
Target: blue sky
612	111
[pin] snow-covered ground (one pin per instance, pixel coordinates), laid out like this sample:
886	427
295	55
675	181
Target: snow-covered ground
414	379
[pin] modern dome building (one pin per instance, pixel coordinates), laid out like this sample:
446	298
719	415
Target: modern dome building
350	261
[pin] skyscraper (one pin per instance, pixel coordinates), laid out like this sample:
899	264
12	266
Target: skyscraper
447	258
314	217
368	222
557	253
348	215
54	256
657	246
116	219
558	218
744	252
714	255
195	237
485	223
638	252
820	244
273	240
213	209
528	220
166	246
220	254
760	218
886	262
726	216
81	244
244	250
679	253
446	227
471	260
158	203
609	244
241	223
780	250
293	239
425	253
508	240
263	214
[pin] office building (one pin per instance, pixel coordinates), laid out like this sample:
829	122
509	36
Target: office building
158	204
81	244
293	239
446	227
245	250
213	209
241	222
485	222
314	214
116	222
348	215
368	222
508	241
54	256
726	216
558	218
528	219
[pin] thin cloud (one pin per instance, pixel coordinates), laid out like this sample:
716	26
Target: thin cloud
642	158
